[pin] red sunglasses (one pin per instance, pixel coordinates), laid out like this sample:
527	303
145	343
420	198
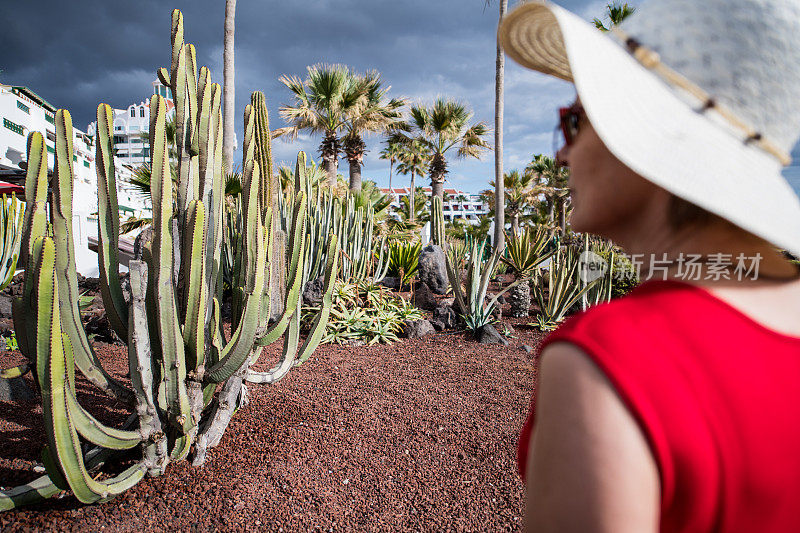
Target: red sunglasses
570	118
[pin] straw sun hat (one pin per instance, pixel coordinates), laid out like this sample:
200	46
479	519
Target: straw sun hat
701	98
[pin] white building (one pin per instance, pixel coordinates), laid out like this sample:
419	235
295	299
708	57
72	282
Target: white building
457	205
23	112
131	127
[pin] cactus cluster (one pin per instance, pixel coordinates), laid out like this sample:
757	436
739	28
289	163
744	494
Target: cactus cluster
363	256
187	378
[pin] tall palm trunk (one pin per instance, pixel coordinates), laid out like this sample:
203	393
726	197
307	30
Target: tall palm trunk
412	199
499	104
438	189
329	150
515	223
438	170
354	147
391	167
229	89
355	176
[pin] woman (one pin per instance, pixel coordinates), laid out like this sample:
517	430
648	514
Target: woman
676	408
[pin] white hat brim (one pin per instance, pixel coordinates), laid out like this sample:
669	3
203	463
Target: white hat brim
652	129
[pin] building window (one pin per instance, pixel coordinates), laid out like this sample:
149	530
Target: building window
23	107
117	128
51	150
133	111
16	128
119	139
49	118
141	111
74	157
86	164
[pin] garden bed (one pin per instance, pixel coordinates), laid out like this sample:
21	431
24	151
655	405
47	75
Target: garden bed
417	435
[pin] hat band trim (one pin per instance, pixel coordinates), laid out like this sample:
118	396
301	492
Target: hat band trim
650	60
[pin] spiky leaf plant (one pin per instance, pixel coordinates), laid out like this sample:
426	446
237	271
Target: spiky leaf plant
187	379
525	252
560	289
404	260
12	214
471	296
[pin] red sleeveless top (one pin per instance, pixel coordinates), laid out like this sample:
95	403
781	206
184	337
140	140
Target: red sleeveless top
717	396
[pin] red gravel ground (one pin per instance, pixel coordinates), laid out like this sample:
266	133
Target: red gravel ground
416	436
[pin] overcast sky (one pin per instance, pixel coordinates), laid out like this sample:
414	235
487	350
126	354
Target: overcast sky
78	54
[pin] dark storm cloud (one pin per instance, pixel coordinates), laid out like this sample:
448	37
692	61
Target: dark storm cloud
79	54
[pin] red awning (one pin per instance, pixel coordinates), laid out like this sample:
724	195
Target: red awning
8	188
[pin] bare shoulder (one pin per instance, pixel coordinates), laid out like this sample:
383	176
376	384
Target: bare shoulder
774	305
590	467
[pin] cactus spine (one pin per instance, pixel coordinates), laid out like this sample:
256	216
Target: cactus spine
177	352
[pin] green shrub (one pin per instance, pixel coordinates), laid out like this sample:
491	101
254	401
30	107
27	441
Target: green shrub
404	260
366	312
625	276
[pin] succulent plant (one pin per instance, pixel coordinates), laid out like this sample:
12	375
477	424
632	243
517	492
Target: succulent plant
470	293
12	213
187	379
560	290
525	252
404	260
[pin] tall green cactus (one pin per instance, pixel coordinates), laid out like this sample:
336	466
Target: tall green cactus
177	352
363	256
12	213
437	222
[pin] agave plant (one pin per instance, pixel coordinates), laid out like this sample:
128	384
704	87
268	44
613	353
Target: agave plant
471	297
525	252
604	251
366	312
564	289
404	260
405	310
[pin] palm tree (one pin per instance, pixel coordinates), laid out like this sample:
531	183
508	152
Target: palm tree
615	13
414	157
418	213
314	174
461	229
553	179
444	125
499	104
371	196
371	114
322	103
391	153
229	84
520	191
461	198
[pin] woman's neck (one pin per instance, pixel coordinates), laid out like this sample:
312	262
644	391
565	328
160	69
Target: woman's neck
715	254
